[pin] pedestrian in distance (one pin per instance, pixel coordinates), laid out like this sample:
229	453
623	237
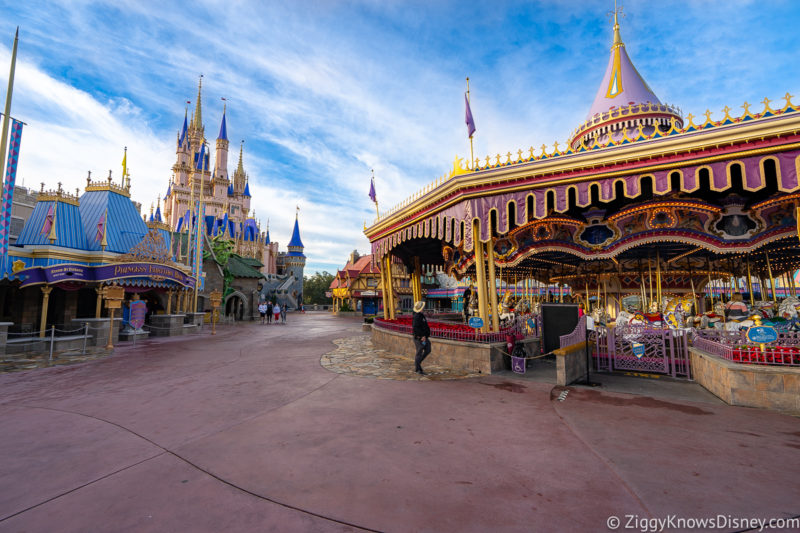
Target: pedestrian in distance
269	312
277	311
262	309
283	315
422	334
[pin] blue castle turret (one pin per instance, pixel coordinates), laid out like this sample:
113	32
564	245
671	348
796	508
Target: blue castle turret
294	261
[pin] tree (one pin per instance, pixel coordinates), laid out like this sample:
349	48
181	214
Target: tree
315	287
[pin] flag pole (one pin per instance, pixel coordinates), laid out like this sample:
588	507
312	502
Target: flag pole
471	152
7	114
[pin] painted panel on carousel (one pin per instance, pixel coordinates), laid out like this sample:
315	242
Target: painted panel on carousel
734	223
596	233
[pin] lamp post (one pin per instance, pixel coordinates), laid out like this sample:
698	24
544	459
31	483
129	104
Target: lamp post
216	300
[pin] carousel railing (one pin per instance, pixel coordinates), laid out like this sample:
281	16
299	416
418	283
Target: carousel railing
455	332
752	354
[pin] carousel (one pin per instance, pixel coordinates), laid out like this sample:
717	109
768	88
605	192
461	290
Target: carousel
664	228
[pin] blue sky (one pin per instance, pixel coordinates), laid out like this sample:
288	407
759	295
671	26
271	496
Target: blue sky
324	91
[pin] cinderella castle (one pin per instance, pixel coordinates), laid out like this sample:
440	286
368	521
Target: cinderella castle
228	222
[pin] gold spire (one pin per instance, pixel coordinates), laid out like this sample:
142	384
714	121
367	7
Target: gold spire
240	168
197	118
617	37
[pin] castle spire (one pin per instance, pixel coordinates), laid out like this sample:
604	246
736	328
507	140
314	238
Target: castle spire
182	137
295	241
223	128
240	168
197	119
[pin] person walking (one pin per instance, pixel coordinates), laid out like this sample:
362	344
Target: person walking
269	312
277	311
283	315
422	340
262	309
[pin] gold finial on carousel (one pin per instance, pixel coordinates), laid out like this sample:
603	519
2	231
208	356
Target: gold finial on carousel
617	11
109	176
89	178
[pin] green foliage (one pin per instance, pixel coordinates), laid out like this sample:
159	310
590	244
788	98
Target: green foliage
223	248
345	306
314	288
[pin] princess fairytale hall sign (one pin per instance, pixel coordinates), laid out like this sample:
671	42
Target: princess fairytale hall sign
59	273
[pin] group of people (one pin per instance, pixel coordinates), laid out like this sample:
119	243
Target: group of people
268	311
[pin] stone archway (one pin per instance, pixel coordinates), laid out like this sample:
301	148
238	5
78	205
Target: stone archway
236	306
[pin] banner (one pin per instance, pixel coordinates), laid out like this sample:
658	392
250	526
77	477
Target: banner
81	273
138	313
8	188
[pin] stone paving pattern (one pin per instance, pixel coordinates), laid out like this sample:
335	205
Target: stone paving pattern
357	356
247	431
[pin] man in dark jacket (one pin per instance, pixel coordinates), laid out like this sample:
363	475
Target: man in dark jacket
421	337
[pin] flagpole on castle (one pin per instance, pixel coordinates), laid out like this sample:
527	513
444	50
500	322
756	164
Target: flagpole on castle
471	152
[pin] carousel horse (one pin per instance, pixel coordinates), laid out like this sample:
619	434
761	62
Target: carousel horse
523	306
473	304
765	308
626	318
677	310
506	309
599	316
788	310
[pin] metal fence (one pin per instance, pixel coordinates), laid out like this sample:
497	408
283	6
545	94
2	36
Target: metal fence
449	332
785	353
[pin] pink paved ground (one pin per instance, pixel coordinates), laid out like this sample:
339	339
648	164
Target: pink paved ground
246	431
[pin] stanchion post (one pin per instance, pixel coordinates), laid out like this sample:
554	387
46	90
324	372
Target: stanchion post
52	341
85	336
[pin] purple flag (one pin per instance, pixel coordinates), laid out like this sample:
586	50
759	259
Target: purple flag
48	221
101	226
470	122
372	191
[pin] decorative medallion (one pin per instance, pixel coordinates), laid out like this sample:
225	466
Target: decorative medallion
151	249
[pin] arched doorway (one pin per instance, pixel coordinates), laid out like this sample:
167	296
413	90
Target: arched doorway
235	306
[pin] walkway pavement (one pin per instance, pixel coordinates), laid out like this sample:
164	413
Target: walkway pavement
248	431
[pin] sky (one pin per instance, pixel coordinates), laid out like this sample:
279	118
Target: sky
324	92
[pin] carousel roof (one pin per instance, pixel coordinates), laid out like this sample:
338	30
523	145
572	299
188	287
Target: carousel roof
622	84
